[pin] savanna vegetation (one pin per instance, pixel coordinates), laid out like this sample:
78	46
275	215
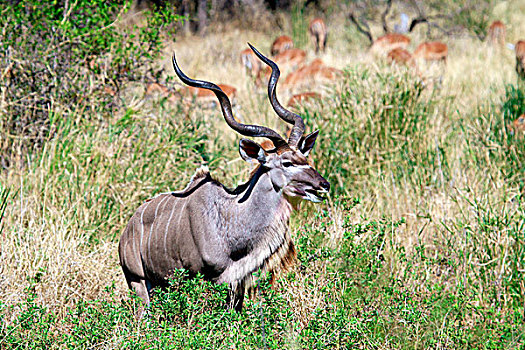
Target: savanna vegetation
421	243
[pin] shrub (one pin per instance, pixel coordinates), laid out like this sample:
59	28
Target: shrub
62	58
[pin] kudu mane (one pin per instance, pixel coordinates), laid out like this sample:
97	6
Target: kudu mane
202	176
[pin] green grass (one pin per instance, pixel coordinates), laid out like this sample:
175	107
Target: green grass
365	303
420	245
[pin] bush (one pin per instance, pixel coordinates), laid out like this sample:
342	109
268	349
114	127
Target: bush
66	58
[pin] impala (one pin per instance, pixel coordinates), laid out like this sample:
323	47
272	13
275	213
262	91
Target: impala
227	235
432	51
520	58
189	93
281	44
401	56
318	33
384	44
496	34
110	91
518	125
205	95
290	59
308	74
156	88
298	99
252	64
388	42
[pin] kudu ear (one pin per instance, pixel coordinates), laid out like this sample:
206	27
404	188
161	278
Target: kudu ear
251	151
308	142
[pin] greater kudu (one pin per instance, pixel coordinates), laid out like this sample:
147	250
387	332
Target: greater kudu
226	234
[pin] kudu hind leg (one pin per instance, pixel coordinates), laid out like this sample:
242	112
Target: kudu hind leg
142	288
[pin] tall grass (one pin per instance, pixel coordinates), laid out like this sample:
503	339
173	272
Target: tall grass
299	26
379	126
419	246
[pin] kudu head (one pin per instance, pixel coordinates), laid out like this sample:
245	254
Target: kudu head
286	164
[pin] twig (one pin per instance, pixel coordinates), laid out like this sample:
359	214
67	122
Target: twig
383	16
368	34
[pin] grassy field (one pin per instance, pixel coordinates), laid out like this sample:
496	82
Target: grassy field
420	245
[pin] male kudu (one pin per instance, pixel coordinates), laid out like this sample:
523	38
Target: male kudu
226	234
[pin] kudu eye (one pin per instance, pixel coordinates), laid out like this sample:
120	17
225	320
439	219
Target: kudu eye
287	164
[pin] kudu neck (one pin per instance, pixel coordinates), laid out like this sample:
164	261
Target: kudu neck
259	180
260	190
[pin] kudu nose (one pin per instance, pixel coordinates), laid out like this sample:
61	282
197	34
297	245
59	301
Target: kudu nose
325	185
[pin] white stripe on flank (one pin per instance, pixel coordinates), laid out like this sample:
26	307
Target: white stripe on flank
151	229
142	224
167	225
125	255
134	243
180	214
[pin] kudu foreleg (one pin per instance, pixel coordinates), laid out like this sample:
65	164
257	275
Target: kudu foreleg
235	299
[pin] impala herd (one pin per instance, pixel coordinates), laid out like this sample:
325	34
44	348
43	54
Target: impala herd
229	235
304	75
